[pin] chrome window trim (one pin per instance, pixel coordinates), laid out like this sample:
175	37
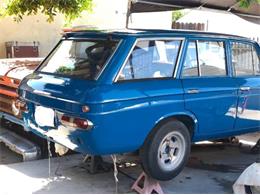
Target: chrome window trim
121	68
174	75
177	66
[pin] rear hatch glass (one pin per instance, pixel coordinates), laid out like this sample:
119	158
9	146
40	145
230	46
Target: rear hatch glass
82	59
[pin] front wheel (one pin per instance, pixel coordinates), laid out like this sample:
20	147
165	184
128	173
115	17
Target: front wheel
166	150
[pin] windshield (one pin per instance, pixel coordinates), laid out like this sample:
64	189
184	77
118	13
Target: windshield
83	59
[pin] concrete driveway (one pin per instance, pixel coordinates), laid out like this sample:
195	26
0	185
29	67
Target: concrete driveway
211	169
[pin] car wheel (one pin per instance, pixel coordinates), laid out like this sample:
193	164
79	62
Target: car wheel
166	150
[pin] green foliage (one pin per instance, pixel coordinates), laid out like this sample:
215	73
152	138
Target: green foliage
176	15
71	9
247	3
64	69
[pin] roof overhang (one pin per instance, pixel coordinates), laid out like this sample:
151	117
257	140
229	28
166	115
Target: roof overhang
252	13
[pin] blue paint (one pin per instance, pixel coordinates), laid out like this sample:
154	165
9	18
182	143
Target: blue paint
124	113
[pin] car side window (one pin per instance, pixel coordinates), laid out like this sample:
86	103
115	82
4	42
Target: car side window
190	68
205	58
212	60
151	59
256	61
242	59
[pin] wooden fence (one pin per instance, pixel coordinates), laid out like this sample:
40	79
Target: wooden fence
188	26
199	27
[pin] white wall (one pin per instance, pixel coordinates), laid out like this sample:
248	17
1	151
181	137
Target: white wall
152	20
112	15
222	22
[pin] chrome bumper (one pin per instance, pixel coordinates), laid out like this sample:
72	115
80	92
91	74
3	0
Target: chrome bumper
20	145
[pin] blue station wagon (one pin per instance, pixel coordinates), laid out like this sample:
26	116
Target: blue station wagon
155	91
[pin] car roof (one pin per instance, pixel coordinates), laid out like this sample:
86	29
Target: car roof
142	33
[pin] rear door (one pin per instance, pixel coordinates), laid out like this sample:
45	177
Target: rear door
246	65
209	90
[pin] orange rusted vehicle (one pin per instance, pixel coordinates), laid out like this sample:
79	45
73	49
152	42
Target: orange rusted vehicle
12	71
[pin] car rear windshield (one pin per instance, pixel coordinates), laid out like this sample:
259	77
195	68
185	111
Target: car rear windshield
83	59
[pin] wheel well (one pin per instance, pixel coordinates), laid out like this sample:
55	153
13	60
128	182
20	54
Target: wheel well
186	120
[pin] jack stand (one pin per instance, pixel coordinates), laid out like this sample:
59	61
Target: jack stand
256	148
147	185
95	164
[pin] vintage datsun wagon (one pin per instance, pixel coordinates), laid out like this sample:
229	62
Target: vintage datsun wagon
155	91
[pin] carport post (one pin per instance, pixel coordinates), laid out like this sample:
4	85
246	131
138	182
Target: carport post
128	13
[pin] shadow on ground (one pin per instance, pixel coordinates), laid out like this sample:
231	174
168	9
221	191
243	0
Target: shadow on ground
211	169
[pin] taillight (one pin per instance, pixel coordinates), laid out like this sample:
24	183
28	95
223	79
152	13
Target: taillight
65	118
75	122
19	106
81	123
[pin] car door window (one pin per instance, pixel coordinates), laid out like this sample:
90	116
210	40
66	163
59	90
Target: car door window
190	68
151	59
205	58
242	59
212	61
256	61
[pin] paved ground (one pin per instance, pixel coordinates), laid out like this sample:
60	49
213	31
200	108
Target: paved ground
211	169
7	156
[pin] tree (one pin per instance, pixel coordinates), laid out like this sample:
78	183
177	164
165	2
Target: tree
71	9
247	3
176	15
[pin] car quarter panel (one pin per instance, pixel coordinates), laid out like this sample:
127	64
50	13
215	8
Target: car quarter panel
133	111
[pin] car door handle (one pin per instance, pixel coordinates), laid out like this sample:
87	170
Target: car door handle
245	88
193	91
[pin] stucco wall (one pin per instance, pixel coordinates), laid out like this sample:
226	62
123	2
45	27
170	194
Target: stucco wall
105	15
32	28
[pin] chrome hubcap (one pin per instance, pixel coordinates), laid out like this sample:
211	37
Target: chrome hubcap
171	151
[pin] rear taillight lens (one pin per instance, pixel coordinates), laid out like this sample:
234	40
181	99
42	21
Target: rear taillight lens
81	123
65	118
75	122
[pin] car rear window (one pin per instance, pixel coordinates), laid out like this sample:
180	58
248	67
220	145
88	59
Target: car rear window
83	59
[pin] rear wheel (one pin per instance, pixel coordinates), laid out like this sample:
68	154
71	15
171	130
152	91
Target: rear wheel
166	150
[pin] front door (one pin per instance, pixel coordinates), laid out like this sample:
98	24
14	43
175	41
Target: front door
209	91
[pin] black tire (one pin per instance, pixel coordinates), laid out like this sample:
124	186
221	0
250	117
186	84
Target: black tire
150	156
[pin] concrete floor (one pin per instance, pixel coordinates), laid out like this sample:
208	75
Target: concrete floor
211	169
7	156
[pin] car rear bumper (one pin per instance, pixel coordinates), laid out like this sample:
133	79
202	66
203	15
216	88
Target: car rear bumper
11	118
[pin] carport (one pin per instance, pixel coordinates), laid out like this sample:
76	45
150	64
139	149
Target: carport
252	13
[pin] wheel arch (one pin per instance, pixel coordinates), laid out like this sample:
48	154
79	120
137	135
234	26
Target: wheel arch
188	119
